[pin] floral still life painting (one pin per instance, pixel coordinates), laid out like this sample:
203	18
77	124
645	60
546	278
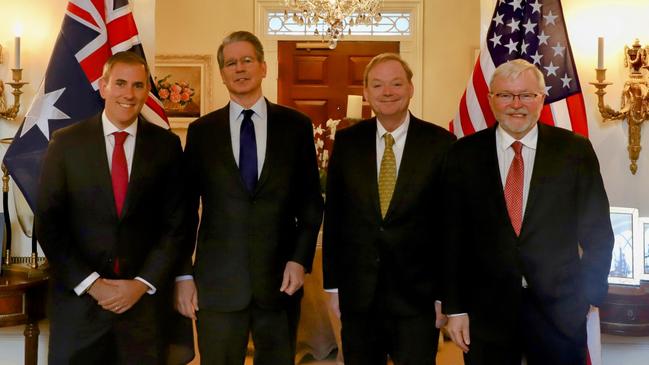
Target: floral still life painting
179	90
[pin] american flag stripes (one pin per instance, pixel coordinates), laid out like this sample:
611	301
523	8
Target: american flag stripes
92	30
535	31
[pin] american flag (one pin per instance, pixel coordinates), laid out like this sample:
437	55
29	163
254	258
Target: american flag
91	32
536	32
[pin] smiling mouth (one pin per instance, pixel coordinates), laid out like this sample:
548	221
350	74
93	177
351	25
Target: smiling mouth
126	105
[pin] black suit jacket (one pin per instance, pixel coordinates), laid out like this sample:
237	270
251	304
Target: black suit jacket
567	206
80	232
245	240
364	254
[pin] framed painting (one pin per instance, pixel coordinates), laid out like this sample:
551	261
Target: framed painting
184	86
627	264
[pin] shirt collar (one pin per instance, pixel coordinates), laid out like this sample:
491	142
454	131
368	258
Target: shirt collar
109	128
529	140
398	133
259	108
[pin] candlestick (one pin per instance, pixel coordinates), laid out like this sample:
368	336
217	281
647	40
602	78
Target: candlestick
600	53
354	107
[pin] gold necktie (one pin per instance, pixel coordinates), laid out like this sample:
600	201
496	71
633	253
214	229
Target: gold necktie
387	174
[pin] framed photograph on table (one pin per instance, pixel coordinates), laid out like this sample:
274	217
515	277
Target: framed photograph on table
627	264
184	86
644	230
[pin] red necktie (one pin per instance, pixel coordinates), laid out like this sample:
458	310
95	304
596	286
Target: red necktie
119	171
514	188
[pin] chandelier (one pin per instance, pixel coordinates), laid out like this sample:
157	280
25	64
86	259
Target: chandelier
338	15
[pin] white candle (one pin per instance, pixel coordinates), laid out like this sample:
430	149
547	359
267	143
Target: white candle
354	107
17	53
600	53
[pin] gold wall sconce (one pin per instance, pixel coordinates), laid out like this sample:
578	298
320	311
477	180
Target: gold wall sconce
10	112
634	105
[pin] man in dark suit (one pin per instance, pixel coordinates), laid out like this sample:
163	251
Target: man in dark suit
379	245
529	238
109	220
252	164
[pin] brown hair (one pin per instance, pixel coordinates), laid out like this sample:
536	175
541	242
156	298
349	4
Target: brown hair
385	57
127	57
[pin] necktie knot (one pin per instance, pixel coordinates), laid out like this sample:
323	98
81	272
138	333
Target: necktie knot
389	140
518	147
120	137
247	114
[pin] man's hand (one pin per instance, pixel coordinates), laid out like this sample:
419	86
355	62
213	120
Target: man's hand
101	291
334	303
440	318
293	278
458	328
128	292
186	298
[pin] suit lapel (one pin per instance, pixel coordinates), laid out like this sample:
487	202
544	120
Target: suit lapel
142	155
542	164
408	164
100	170
367	164
272	136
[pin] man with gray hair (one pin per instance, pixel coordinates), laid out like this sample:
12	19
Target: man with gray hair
253	167
528	235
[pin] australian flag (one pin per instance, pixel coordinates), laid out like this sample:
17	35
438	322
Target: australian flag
91	32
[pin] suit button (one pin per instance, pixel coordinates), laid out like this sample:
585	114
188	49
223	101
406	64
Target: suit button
381	229
378	260
110	260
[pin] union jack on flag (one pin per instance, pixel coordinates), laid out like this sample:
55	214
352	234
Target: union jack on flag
536	32
91	32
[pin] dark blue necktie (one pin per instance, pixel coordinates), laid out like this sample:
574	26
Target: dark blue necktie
248	151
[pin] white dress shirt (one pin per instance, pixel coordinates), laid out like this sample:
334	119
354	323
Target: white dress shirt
260	121
129	150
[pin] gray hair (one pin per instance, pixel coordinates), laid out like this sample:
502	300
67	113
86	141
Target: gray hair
240	36
512	69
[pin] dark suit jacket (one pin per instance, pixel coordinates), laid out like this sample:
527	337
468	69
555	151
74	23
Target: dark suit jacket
245	240
80	232
364	254
567	206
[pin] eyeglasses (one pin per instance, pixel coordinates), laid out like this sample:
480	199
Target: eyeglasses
509	97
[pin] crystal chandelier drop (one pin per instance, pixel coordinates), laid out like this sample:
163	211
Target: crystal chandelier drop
338	15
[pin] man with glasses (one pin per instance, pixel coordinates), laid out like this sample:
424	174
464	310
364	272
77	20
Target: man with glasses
529	239
253	167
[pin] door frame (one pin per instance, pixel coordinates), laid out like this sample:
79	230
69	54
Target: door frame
410	47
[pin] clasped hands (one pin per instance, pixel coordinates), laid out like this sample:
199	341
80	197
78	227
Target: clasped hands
117	296
186	295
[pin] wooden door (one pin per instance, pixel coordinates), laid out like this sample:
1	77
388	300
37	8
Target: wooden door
316	81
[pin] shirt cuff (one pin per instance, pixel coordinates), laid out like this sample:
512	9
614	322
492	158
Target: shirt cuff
332	290
83	286
457	314
184	277
152	288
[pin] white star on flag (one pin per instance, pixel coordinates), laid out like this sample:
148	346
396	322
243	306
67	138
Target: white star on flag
43	109
536	7
537	58
498	19
516	4
543	39
514	25
558	50
529	26
512	46
549	18
496	40
551	69
566	81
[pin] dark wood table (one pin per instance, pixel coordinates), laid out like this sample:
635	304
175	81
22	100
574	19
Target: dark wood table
23	294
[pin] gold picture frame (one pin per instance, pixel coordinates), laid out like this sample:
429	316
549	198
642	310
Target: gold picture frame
184	86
